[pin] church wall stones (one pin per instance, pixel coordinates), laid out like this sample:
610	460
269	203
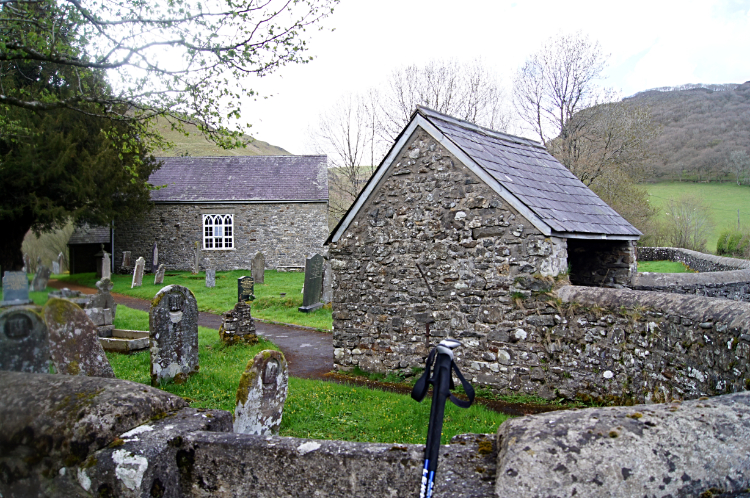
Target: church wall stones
284	233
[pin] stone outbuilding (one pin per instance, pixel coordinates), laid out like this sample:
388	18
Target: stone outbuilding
233	207
457	223
85	247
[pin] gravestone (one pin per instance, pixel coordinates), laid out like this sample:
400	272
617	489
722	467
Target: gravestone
140	263
73	341
15	289
159	275
126	259
55	268
197	260
173	335
327	296
98	257
258	268
24	341
313	284
210	277
106	266
60	260
154	258
261	394
40	278
238	325
102	309
245	289
26	263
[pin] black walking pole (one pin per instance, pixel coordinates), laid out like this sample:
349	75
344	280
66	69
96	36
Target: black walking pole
440	362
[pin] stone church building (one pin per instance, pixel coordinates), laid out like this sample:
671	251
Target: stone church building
458	224
233	207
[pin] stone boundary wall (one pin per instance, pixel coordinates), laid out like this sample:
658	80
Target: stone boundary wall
698	261
79	437
728	278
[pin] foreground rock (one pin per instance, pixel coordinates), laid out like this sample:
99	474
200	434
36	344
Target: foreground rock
673	449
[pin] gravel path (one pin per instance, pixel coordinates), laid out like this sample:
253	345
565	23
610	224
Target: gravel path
309	353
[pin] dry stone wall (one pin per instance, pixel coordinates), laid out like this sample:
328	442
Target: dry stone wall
284	233
433	244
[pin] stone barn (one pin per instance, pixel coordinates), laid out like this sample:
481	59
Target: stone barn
233	207
456	227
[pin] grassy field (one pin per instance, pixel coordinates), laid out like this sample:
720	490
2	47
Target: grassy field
314	409
663	267
724	198
268	305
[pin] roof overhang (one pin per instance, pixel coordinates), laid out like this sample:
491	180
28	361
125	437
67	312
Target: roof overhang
234	201
419	121
594	236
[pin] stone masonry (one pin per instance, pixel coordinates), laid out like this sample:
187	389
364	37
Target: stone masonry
284	232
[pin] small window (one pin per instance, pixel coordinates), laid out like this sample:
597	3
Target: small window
217	231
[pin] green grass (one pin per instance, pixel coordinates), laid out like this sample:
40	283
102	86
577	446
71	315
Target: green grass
314	409
663	267
723	198
268	305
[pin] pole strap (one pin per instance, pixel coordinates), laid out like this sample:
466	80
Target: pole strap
423	384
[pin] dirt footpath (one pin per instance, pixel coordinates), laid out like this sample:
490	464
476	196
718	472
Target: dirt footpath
309	353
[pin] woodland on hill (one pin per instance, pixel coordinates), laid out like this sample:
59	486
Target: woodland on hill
700	127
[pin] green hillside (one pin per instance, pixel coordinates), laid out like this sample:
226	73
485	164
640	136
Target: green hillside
723	198
196	144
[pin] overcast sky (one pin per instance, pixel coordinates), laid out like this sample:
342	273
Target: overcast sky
652	43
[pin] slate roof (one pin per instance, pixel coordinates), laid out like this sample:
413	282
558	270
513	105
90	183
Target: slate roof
85	234
525	175
241	178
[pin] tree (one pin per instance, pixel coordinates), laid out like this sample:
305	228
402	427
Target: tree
605	143
688	223
739	163
183	59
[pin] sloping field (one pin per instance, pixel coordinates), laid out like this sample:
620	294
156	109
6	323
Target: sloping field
723	198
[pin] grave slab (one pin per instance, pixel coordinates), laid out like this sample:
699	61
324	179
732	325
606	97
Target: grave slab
159	275
140	263
313	284
261	394
173	335
258	268
15	289
24	340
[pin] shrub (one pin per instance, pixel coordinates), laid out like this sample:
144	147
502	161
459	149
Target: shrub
733	243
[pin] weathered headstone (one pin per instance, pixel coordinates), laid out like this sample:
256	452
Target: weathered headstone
126	259
103	298
245	289
26	263
24	341
60	260
258	268
154	258
40	278
15	289
327	296
173	335
238	325
159	275
313	284
261	394
106	266
73	341
210	277
55	268
197	256
140	263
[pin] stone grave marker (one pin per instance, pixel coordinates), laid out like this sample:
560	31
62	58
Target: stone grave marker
73	341
26	263
210	277
313	284
106	266
140	263
327	296
102	309
173	335
55	268
41	278
15	289
238	325
126	259
261	394
159	275
24	341
154	258
258	268
98	257
197	255
60	260
245	289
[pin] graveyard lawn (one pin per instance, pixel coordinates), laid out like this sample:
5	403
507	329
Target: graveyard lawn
269	305
314	409
663	267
